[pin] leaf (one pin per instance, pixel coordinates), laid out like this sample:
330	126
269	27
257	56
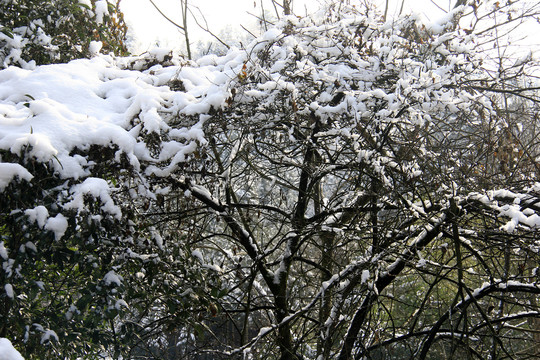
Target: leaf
222	293
199	330
83	302
6	31
173	306
84	6
111	313
243	73
54	156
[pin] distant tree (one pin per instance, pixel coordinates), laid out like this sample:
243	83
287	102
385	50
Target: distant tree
283	7
182	25
190	10
366	193
287	7
54	31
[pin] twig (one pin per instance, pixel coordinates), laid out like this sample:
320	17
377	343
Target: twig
165	16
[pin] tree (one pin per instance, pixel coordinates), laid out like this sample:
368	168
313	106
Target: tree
78	254
183	26
352	198
332	191
200	20
286	6
55	31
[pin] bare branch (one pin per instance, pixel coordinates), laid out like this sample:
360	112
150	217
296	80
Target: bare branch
166	17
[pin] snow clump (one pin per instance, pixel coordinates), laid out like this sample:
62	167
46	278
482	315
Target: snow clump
8	352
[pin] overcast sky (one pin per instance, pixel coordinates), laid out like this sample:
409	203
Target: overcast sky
149	27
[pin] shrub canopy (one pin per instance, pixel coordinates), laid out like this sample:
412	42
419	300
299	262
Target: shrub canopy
55	31
344	187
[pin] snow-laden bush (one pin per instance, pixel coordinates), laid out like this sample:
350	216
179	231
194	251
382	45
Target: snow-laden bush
344	187
76	143
54	31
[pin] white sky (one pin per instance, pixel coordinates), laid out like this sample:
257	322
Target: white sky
149	27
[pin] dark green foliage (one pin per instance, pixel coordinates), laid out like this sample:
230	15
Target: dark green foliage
55	31
92	285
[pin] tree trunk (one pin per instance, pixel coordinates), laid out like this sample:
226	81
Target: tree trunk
287	7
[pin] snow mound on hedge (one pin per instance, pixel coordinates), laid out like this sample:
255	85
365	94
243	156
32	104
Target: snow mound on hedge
8	352
54	112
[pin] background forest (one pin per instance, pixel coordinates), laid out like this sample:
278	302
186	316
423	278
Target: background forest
346	185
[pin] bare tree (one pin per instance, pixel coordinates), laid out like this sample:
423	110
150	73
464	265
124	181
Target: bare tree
182	27
352	200
285	6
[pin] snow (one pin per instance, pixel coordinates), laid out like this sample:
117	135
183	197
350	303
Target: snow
272	34
9	291
157	238
98	189
48	335
55	109
112	278
3	251
58	225
477	291
486	287
518	211
8	352
517	216
213	267
330	281
102	10
364	276
28	245
197	253
265	330
120	304
10	171
39	214
160	53
95	47
53	116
